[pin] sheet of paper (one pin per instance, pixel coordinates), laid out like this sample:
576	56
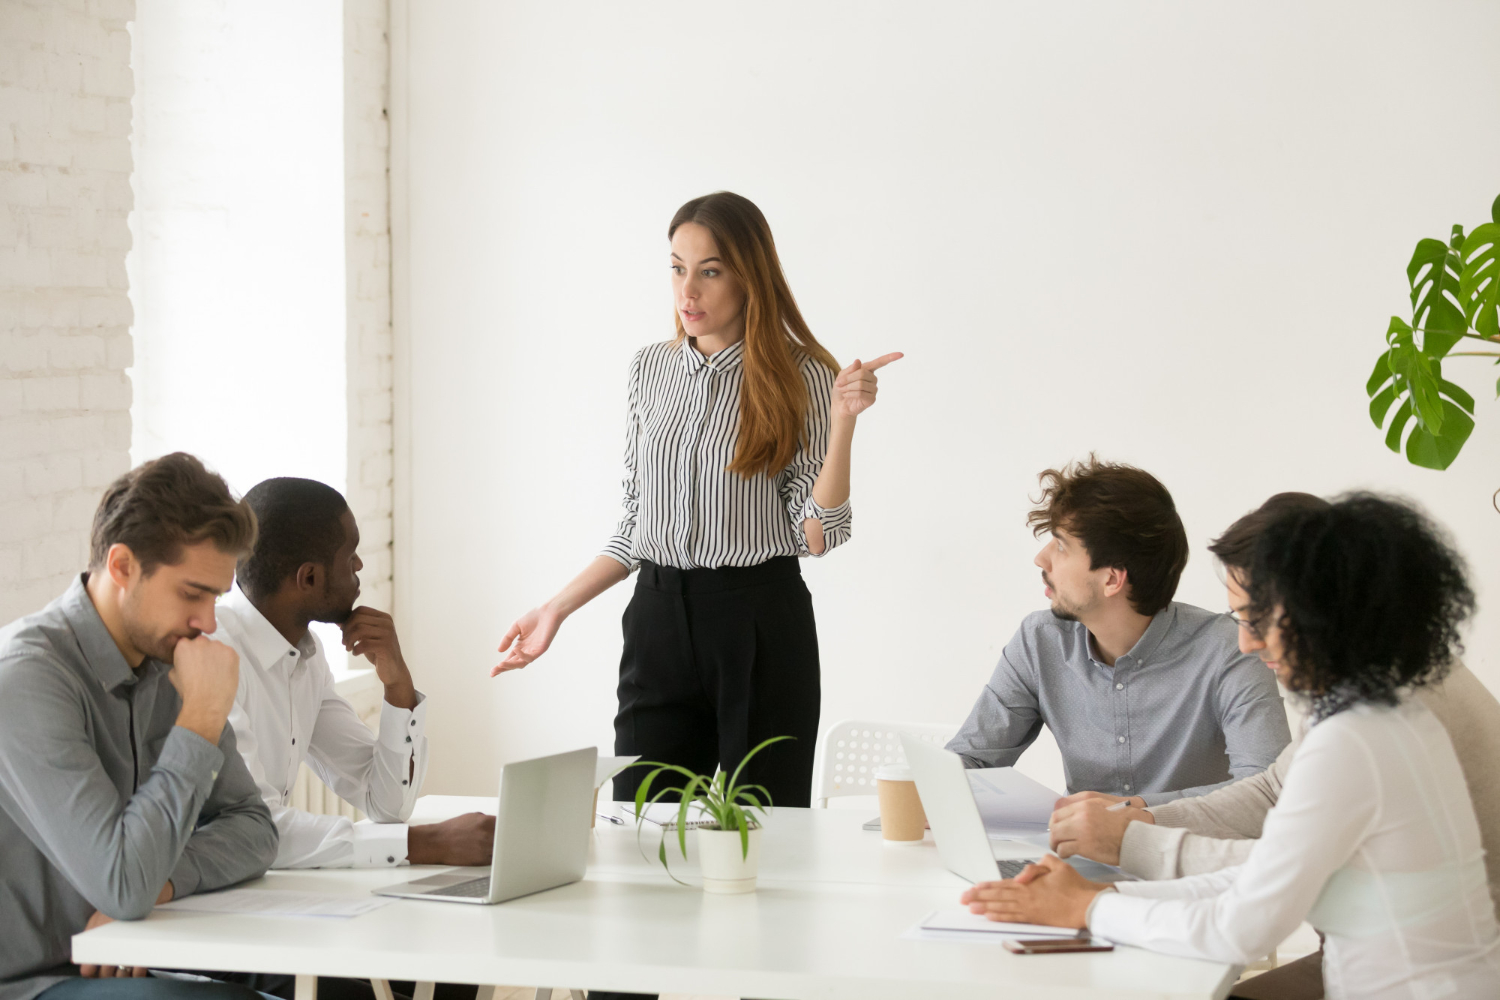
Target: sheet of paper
608	767
279	903
665	814
1013	806
960	919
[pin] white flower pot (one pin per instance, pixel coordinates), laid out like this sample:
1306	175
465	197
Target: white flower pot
725	869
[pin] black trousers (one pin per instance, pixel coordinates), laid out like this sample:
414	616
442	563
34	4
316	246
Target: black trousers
715	661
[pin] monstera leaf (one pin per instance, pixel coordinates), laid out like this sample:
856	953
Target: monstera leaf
1479	286
1435	275
1413	376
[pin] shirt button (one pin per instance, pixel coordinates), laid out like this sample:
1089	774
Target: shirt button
1119	687
414	722
408	739
390	859
1120	738
1127	788
403	780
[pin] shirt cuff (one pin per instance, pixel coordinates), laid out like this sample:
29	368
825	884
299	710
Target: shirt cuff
618	549
1149	851
379	845
831	518
401	728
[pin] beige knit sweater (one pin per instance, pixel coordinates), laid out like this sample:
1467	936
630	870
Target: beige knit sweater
1218	830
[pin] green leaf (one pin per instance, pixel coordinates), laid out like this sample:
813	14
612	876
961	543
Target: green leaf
1434	275
1437	451
1381	405
1458	394
1381	375
1479	283
1393	436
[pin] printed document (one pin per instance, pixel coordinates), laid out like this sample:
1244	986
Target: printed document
1013	806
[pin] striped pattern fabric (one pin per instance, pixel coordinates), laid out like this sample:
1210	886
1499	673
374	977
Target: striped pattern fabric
683	507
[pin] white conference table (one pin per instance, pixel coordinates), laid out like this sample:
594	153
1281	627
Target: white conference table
826	923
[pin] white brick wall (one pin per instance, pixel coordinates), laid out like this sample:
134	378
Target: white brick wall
368	257
65	88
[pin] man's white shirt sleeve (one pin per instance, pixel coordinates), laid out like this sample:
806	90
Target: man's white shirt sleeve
283	721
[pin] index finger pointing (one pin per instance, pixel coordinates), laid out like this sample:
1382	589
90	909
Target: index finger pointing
883	360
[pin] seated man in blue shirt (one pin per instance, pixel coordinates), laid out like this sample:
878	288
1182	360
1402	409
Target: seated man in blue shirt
120	783
1149	699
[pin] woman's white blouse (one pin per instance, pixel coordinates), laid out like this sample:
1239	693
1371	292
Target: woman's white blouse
1374	842
683	507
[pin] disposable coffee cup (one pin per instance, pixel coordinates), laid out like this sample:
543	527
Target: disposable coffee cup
902	820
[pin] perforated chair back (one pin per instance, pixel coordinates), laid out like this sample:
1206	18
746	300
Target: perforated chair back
851	751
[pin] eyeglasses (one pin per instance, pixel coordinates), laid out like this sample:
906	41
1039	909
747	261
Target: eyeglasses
1252	627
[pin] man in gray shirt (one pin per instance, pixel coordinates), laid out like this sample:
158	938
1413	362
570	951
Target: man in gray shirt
1149	699
120	784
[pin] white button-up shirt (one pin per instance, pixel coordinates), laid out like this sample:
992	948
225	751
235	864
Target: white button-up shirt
287	713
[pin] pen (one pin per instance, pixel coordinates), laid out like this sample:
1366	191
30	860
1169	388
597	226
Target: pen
617	821
1117	806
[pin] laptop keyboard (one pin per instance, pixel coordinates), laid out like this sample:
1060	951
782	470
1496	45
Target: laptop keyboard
1010	868
475	888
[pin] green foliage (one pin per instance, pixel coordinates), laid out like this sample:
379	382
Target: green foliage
731	805
1455	296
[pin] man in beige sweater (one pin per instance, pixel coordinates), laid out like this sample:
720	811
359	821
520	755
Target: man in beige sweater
1209	832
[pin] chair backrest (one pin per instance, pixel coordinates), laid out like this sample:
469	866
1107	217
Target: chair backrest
851	751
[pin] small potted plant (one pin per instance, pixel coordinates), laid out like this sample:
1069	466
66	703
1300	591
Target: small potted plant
728	830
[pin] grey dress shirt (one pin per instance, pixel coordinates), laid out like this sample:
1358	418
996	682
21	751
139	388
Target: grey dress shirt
1180	714
103	798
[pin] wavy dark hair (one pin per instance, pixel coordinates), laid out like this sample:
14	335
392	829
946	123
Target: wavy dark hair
1370	597
1126	520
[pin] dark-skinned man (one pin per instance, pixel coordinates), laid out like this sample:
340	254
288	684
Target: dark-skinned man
305	568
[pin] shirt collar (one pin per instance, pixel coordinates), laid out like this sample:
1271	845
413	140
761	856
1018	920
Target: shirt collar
98	646
262	641
722	361
1161	624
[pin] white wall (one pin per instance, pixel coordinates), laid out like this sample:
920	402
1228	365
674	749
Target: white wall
1169	232
65	90
238	265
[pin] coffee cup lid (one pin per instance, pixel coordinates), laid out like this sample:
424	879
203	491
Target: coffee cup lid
894	772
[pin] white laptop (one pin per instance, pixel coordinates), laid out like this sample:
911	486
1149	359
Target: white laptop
963	844
541	835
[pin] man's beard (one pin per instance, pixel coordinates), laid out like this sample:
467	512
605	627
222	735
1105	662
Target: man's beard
159	647
1062	614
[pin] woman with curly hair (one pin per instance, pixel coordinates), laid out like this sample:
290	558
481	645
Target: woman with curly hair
1374	839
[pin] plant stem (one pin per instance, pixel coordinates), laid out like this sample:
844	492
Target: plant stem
1470	354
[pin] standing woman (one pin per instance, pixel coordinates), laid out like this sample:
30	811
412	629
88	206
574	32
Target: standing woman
737	464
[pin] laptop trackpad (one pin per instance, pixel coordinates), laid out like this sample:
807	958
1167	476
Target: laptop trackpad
442	880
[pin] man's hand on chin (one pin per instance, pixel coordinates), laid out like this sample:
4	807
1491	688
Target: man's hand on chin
118	971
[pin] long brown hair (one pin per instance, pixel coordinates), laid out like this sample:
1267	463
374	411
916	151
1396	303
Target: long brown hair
773	396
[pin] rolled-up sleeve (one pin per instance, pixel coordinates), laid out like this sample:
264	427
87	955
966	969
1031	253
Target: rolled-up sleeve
799	478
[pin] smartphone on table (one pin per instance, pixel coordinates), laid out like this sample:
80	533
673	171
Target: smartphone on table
1054	946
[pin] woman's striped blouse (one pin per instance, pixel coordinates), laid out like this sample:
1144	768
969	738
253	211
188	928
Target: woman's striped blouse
683	507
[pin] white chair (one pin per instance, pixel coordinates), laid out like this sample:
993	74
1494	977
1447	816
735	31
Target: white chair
851	751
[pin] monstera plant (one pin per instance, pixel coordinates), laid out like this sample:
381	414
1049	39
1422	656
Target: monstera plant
1455	298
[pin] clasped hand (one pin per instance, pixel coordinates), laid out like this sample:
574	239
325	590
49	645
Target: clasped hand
1049	892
